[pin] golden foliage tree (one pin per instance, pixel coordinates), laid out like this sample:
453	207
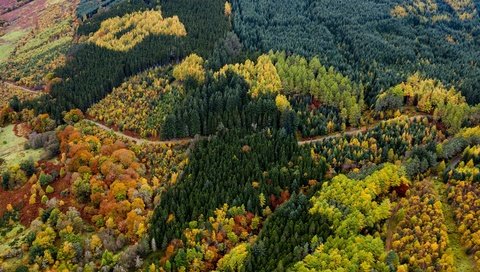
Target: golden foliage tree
191	67
282	103
138	25
228	9
262	77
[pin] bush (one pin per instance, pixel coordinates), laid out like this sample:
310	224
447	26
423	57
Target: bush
49	189
6	180
47	140
45	179
22	268
28	166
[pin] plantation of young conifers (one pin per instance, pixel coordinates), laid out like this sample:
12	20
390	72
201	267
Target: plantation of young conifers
239	135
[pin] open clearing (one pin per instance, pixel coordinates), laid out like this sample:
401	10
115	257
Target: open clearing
8	42
12	148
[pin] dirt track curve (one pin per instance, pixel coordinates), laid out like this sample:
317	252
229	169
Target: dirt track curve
21	87
188	140
301	142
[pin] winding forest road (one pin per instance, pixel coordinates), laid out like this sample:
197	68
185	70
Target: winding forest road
301	142
141	141
189	140
355	131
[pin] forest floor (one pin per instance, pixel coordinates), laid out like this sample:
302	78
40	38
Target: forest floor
462	261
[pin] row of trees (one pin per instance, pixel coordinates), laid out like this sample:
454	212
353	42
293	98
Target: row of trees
224	102
138	105
237	96
433	11
457	144
300	76
356	209
430	96
262	76
292	227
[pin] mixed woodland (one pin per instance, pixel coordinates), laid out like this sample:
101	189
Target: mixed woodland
240	135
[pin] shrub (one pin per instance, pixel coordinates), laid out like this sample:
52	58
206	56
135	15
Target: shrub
49	189
28	166
47	140
45	179
22	268
6	180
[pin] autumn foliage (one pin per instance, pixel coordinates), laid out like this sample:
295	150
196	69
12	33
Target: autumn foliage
123	33
190	67
421	238
261	76
464	187
139	105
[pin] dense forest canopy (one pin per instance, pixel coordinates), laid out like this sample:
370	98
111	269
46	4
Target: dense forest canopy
93	70
367	41
239	135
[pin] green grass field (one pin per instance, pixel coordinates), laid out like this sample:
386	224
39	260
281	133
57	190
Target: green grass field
12	149
8	42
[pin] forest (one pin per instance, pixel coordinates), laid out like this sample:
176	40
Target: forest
94	70
239	135
361	40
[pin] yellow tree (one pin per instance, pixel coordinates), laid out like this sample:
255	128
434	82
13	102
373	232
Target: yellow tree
282	103
228	9
191	67
267	78
137	25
